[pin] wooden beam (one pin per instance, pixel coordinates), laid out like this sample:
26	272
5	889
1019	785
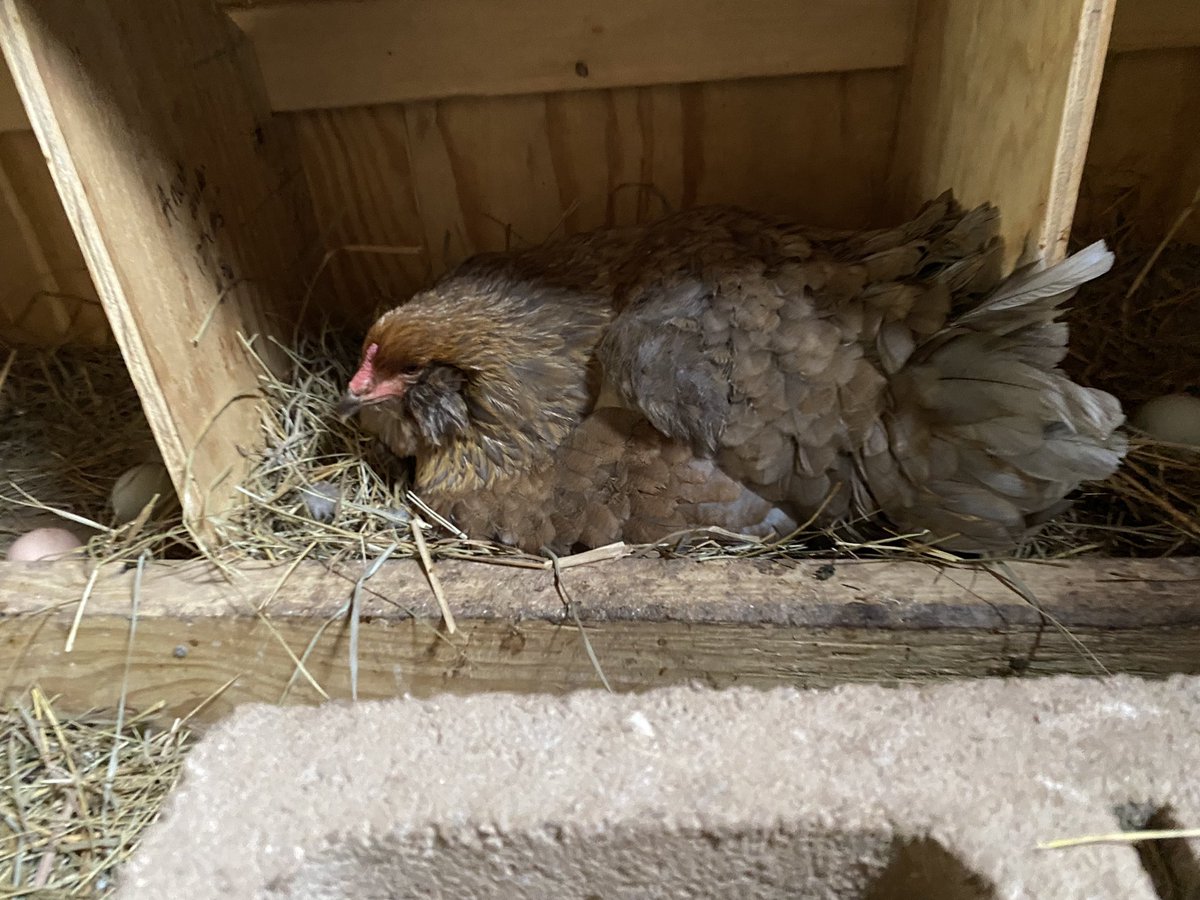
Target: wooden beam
649	622
1155	25
390	61
187	200
356	52
999	108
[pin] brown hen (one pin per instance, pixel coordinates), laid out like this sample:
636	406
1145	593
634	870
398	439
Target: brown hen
722	367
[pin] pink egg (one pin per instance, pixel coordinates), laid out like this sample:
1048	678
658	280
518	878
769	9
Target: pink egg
43	543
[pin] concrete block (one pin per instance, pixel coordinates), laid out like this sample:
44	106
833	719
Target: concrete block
938	792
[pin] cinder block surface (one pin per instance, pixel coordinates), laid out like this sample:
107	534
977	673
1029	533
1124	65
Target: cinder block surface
938	792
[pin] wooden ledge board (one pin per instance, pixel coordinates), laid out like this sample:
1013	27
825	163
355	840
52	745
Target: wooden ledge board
298	47
355	52
650	623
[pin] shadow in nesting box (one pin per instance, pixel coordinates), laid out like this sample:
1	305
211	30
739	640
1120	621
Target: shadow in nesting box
923	869
634	861
77	454
1171	863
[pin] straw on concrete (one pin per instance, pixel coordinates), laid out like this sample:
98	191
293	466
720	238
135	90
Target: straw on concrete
66	822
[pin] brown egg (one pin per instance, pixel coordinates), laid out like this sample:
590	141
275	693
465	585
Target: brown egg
43	543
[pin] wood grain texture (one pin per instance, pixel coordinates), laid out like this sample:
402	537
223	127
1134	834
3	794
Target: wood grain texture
336	54
46	294
453	177
999	107
1155	24
186	199
650	623
1144	148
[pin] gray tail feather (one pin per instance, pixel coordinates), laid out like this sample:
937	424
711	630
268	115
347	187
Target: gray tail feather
996	435
1047	288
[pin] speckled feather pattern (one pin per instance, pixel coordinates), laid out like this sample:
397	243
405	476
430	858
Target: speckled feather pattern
756	372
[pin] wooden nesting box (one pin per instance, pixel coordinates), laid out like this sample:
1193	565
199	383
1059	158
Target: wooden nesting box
208	157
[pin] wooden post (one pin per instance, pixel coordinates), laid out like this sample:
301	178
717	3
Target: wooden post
188	202
999	107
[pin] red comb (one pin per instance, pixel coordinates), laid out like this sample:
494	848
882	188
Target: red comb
365	376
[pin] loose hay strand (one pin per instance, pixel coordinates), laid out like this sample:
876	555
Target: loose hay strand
1120	837
135	604
574	613
436	516
435	583
356	612
54	845
199	707
1003	573
312	643
1183	216
261	608
79	610
4	370
296	661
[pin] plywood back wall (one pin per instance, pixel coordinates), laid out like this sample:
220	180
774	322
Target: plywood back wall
1145	153
452	177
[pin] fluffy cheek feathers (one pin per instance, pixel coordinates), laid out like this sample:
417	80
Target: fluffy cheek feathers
438	405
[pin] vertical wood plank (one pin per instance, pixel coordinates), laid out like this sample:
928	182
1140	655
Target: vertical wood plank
187	200
357	165
999	107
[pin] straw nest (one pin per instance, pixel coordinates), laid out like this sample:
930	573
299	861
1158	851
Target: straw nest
72	424
321	489
1136	334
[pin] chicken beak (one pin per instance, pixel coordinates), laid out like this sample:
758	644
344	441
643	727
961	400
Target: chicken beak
348	406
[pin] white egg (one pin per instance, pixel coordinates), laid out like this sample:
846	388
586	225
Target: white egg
43	543
1174	418
135	488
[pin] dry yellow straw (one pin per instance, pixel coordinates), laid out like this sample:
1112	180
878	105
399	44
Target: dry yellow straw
1120	837
355	609
423	551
